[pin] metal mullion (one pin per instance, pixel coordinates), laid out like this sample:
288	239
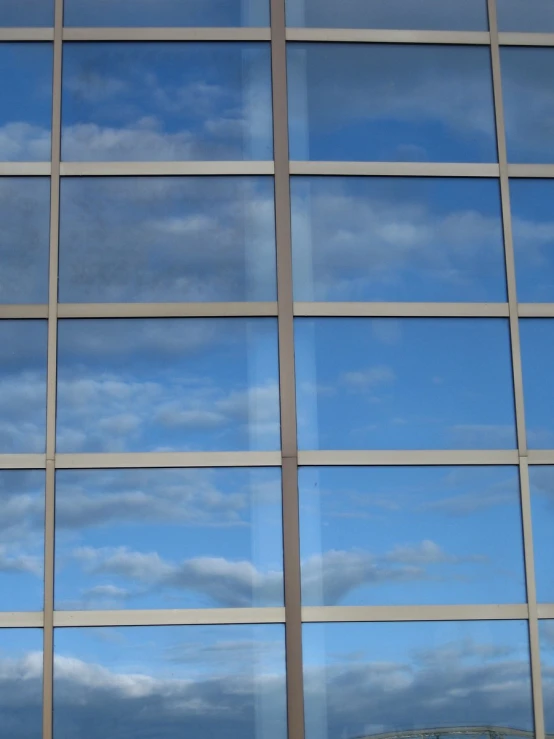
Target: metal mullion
166	34
545	171
398	310
406	457
26	34
541	456
507	38
393	169
168	168
22	461
386	36
24	169
330	614
150	460
535	310
164	310
173	617
21	620
23	311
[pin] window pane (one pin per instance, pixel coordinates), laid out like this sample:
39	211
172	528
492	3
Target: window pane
22	386
168	239
26	94
410	536
546	633
411	383
167	682
387	102
528	103
426	15
537	356
180	538
394	239
21	683
27	12
526	15
166	101
168	384
363	679
542	500
166	13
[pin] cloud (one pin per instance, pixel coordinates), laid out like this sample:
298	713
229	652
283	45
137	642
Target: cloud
19	563
368	379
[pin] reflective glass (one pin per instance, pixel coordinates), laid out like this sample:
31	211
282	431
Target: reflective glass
410	383
426	15
395	239
167	239
21	540
21	683
410	536
372	678
166	13
26	13
168	682
537	356
167	538
168	384
525	15
389	102
26	94
22	386
166	101
528	104
542	503
24	239
546	634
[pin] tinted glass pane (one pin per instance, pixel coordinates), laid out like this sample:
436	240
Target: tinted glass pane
390	383
168	384
528	103
26	94
525	15
22	386
363	679
167	682
26	13
166	101
430	15
410	535
546	633
168	539
542	500
21	683
166	13
387	102
167	239
537	355
383	238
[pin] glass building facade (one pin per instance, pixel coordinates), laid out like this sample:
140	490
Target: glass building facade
277	369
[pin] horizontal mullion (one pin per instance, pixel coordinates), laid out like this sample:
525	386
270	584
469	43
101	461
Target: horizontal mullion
173	617
545	610
394	169
127	460
525	39
25	169
531	170
322	614
164	310
386	36
23	311
21	619
167	34
26	34
535	310
135	169
377	458
22	461
402	309
540	456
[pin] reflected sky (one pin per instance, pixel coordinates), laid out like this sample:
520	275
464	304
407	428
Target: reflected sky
166	101
411	383
542	506
170	682
405	238
537	356
525	15
168	385
21	683
24	239
371	678
410	536
388	102
26	93
546	633
181	538
167	239
27	13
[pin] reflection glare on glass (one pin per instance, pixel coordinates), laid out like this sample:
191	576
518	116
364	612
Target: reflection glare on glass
525	15
542	503
387	102
167	239
26	94
537	357
410	383
546	634
425	15
410	536
166	101
170	681
394	239
26	13
169	538
528	103
175	384
372	678
22	386
21	683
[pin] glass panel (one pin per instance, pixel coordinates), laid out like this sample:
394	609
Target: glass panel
365	679
168	538
410	536
537	356
389	102
26	94
526	15
528	104
408	238
426	15
546	633
27	13
166	101
410	383
21	683
168	384
22	386
167	682
166	13
24	239
187	239
542	503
